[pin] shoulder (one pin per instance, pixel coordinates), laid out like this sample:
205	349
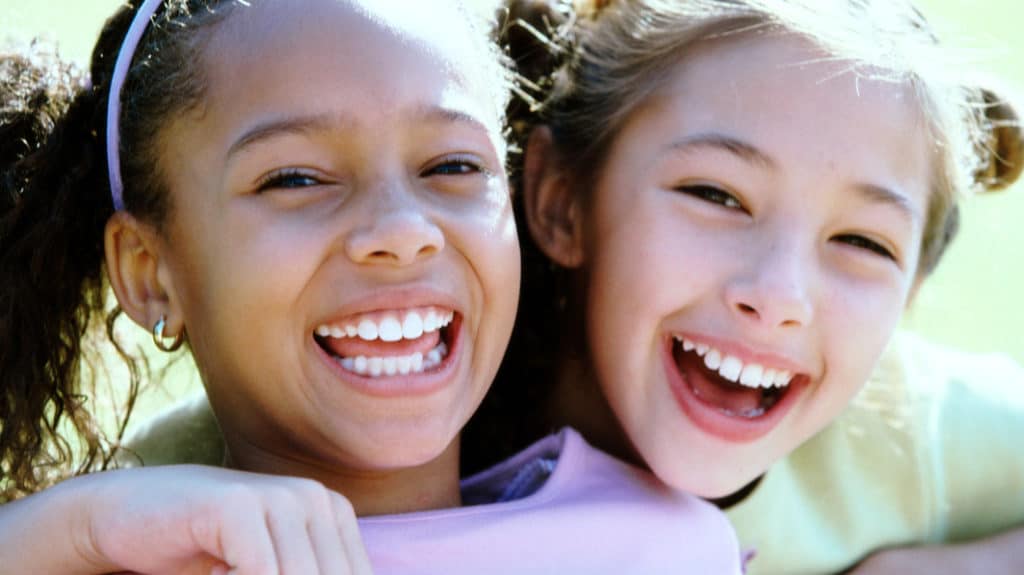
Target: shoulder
974	409
927	452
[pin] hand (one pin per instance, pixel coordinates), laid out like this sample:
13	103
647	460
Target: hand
196	519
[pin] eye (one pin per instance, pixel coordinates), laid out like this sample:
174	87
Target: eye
287	179
867	244
712	195
455	166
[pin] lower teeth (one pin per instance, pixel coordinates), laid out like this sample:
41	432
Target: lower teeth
395	365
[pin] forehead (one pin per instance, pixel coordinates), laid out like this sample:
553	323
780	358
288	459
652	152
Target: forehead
306	53
785	95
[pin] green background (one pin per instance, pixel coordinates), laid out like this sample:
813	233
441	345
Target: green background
972	300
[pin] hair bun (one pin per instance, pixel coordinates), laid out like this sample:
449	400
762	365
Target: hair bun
1004	148
537	37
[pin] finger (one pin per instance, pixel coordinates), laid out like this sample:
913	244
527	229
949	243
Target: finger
287	524
244	541
348	530
328	547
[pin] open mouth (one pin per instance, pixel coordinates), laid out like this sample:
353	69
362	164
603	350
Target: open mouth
726	396
391	343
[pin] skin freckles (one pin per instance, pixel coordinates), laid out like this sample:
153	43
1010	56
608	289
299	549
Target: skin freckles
312	187
755	216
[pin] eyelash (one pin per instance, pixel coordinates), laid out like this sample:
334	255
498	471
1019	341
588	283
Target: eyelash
464	166
712	195
864	243
286	179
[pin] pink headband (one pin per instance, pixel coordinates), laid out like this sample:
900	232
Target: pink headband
124	62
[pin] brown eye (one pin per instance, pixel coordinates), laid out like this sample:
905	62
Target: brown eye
287	179
457	166
712	195
866	244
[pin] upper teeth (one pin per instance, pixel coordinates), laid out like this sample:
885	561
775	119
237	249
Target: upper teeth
732	368
390	326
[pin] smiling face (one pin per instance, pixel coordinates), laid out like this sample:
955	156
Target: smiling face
341	243
749	246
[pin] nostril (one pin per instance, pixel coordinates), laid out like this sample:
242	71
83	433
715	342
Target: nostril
747	309
427	251
382	255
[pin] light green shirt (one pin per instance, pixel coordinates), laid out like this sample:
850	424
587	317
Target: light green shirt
930	451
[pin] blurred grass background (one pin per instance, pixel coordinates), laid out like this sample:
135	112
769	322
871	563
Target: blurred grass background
969	303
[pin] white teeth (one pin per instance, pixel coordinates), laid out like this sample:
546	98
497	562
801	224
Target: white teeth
712	359
395	365
751	376
390	329
404	364
412	327
376	366
367	330
430	321
733	369
390	365
433	357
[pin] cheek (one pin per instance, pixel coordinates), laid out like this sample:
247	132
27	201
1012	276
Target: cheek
858	324
485	237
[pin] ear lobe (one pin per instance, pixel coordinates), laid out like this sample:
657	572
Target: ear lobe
135	270
552	210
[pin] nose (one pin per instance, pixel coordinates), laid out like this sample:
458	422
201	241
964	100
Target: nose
775	290
396	231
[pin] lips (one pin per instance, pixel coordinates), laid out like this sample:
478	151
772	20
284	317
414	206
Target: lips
392	352
721	395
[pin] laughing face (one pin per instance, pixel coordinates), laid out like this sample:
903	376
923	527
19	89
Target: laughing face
342	245
749	247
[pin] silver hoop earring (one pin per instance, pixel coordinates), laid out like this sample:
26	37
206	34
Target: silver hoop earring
158	336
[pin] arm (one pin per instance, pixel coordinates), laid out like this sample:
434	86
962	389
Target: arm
994	555
181	519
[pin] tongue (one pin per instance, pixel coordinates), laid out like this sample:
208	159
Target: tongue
354	346
713	389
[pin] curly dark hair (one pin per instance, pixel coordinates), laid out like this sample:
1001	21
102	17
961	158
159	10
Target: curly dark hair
54	205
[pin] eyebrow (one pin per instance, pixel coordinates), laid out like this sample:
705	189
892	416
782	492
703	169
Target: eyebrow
743	150
750	153
883	195
306	124
282	126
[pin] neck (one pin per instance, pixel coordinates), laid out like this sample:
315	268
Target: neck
578	401
431	485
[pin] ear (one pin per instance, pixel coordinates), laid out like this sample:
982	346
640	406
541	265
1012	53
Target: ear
138	275
552	210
